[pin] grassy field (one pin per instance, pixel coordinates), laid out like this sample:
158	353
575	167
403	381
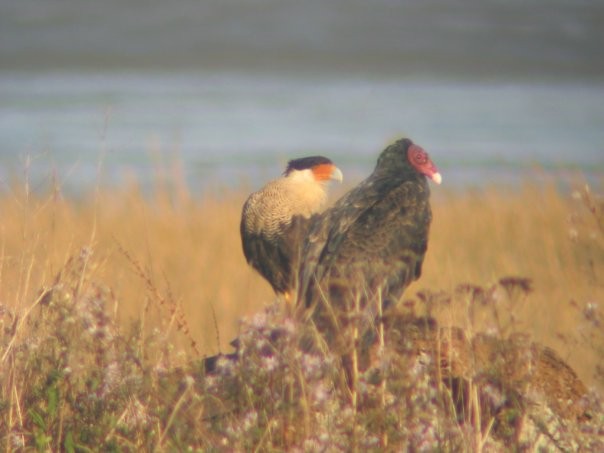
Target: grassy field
169	271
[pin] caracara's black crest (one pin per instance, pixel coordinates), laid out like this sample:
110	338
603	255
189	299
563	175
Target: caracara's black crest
306	162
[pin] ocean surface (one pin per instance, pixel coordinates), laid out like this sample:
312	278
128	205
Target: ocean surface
103	92
231	130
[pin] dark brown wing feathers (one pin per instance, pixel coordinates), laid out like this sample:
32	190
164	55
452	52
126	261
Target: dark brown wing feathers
276	258
373	240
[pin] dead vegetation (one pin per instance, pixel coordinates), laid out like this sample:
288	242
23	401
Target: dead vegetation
109	303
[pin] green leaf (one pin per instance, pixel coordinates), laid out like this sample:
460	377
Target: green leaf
68	443
42	441
53	401
37	419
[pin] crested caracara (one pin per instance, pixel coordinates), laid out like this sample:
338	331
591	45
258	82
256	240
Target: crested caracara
370	245
275	219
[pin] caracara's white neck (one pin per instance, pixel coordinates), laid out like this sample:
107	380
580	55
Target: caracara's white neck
301	176
308	194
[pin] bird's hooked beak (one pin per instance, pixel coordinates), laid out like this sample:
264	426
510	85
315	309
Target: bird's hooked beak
430	170
336	174
326	172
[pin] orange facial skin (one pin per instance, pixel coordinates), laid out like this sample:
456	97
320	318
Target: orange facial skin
323	172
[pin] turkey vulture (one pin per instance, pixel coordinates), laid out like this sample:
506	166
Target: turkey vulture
370	245
275	218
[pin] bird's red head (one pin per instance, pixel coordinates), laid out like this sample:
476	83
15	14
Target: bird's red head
419	159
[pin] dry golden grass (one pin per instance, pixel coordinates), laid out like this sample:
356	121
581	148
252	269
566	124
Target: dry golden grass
175	262
540	234
187	251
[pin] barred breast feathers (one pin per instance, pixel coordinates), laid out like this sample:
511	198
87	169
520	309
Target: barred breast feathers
269	209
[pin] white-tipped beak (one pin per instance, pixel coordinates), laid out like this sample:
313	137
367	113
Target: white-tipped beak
437	178
337	175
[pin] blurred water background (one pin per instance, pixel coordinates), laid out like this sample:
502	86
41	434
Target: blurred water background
497	91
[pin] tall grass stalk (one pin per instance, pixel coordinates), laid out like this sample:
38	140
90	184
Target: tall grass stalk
108	304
